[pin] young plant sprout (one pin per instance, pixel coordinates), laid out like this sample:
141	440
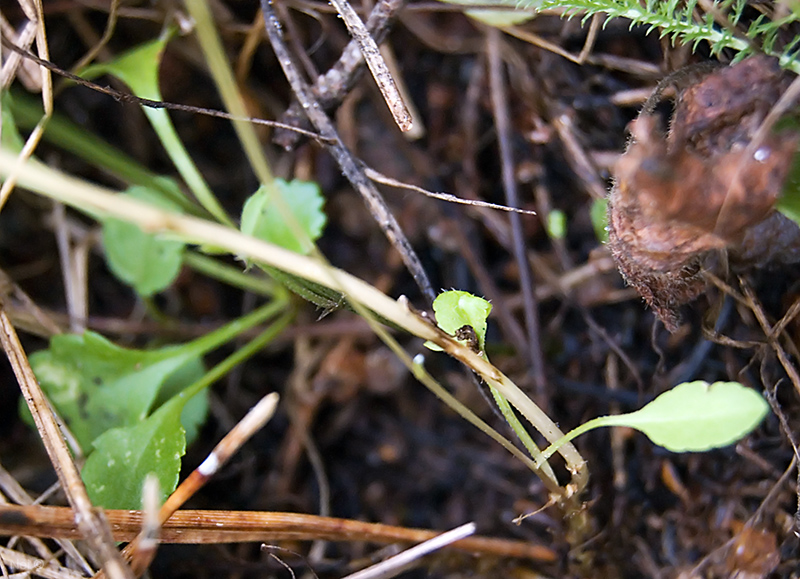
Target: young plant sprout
691	417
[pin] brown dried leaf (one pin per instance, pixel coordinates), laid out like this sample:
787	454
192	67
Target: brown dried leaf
679	198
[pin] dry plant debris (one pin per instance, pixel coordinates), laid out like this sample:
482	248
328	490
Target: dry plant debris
696	192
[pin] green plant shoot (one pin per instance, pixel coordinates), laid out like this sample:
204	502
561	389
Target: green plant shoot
131	410
557	224
138	68
262	219
455	309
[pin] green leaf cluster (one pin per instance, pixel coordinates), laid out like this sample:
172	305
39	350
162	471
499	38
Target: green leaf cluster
106	396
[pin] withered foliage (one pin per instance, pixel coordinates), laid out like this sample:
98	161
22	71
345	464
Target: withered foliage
680	199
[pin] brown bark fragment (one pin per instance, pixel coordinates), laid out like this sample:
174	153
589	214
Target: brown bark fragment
681	197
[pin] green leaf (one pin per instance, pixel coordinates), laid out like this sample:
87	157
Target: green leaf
114	473
149	263
598	213
138	68
789	202
557	224
696	416
96	385
692	417
456	309
195	410
11	139
262	219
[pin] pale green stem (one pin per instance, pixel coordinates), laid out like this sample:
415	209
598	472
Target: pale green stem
240	355
598	422
170	140
217	61
231	330
233	276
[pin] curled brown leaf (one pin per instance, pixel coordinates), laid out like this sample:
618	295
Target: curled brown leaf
680	198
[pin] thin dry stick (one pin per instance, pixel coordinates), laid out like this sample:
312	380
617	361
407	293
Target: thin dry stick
132	99
13	65
93	527
377	66
15	491
111	23
35	13
344	158
384	180
331	88
502	122
402	561
35	566
591	37
218	527
774	340
227	447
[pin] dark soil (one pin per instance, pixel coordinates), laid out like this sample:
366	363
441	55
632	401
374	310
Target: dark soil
391	452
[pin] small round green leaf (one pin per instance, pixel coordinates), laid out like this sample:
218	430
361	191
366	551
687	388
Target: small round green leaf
262	218
456	309
148	263
557	224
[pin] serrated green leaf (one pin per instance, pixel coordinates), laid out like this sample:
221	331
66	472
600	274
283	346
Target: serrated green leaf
262	219
149	263
696	416
456	309
96	385
115	472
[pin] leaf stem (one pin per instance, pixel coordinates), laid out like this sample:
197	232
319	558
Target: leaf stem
228	274
231	330
240	355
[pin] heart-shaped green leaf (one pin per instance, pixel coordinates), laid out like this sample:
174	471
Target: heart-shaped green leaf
96	385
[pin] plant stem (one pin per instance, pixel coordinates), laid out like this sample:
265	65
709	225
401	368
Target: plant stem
231	330
585	427
233	276
240	355
101	201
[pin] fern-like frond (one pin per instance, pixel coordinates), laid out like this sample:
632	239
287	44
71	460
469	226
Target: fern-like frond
678	20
